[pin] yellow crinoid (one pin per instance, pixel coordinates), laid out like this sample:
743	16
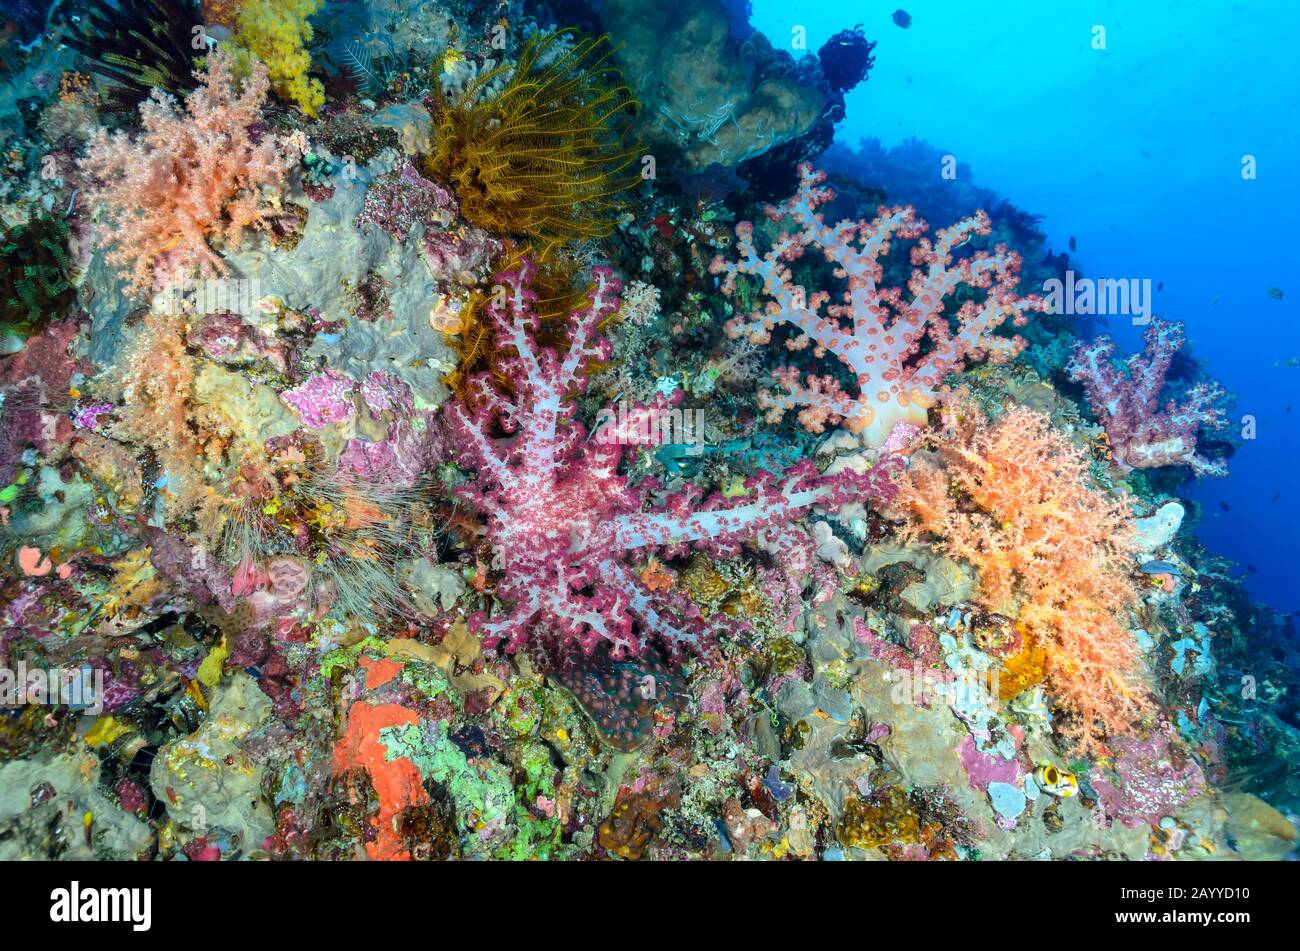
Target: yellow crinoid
535	149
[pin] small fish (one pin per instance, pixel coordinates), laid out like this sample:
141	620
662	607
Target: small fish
1215	301
1055	781
1074	245
1275	293
1160	286
1288	407
903	18
1252	569
1278	496
1225	506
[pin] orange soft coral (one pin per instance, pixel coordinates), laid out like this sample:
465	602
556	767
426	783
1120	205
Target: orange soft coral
188	179
158	412
1013	499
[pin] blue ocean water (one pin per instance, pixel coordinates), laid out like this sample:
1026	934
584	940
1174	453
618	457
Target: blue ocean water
1136	151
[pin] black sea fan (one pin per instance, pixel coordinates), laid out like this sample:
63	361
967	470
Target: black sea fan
141	45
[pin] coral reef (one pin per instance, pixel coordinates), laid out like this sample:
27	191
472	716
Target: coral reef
160	410
562	518
399	461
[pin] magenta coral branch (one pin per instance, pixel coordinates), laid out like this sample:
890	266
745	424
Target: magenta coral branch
767	505
897	351
1142	434
564	522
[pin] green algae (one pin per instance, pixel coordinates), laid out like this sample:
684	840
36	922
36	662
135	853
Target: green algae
346	658
481	790
495	814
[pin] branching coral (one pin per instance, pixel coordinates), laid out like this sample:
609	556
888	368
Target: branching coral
159	413
189	178
558	296
564	521
541	160
1012	498
1142	434
897	349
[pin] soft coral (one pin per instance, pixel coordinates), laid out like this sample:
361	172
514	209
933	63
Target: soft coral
1012	498
897	348
563	520
1143	434
189	178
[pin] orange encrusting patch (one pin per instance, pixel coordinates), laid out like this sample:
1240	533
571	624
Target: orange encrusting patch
397	782
379	672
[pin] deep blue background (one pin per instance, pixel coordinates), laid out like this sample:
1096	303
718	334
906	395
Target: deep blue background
1136	151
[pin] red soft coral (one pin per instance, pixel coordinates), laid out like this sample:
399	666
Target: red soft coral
1142	433
1012	498
188	179
566	524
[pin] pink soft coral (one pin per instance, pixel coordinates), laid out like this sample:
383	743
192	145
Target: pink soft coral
897	350
1012	498
1142	434
188	179
564	522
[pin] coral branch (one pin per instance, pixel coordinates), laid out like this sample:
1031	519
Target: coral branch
897	350
1142	434
564	521
1012	499
189	179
